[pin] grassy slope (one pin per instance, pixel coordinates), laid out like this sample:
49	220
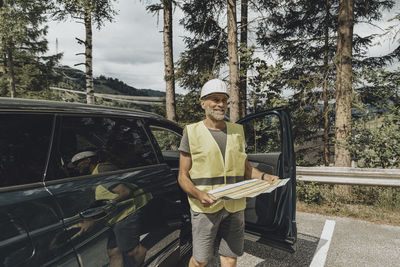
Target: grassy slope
75	79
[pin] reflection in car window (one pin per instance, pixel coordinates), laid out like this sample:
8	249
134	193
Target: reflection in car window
166	139
24	144
263	135
117	142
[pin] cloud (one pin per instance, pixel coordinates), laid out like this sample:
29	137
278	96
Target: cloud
140	76
130	48
128	51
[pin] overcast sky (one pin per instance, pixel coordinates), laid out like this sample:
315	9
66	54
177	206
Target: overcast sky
131	47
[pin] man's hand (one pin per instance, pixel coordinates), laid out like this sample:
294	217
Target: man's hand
185	164
84	226
206	199
254	173
270	178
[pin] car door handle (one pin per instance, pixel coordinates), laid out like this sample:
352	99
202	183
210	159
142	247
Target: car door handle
98	209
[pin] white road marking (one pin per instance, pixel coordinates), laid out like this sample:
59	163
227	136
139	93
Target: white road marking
323	244
247	260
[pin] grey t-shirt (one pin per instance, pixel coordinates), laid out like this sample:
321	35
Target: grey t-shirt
219	136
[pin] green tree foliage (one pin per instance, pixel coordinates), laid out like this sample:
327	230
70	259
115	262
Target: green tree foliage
263	135
302	35
308	193
206	55
101	10
189	109
206	47
377	143
167	140
345	199
391	33
376	139
23	47
264	81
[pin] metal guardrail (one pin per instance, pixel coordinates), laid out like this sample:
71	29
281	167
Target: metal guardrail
143	100
350	176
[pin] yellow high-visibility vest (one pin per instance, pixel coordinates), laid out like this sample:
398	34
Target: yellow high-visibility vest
137	200
209	170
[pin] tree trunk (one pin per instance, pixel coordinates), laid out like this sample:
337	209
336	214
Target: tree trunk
4	89
344	81
233	61
89	57
242	65
169	62
11	75
325	87
255	101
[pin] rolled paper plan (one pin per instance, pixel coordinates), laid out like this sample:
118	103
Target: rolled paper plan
248	188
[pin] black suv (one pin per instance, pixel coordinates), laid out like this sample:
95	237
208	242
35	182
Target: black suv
57	211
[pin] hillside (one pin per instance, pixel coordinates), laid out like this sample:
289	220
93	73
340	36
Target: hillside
75	79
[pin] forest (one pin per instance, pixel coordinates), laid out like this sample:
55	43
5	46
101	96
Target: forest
344	103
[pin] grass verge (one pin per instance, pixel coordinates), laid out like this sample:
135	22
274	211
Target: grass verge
356	211
376	204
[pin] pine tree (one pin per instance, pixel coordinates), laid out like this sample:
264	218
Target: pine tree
303	34
348	9
206	47
23	45
244	9
233	60
344	78
325	89
169	61
170	101
91	12
207	50
392	34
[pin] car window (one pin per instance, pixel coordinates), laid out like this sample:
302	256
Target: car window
167	140
24	145
263	135
109	143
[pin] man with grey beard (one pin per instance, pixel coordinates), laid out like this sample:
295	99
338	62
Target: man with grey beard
212	154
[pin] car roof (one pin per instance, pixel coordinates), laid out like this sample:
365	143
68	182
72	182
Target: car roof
35	105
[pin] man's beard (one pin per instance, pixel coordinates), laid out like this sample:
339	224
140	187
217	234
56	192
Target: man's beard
214	114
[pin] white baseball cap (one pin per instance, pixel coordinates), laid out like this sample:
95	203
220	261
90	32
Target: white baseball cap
214	86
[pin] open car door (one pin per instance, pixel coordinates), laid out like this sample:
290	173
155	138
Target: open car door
271	217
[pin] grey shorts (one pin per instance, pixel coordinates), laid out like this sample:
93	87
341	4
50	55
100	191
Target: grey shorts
207	227
126	233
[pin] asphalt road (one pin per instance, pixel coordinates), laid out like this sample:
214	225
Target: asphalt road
353	243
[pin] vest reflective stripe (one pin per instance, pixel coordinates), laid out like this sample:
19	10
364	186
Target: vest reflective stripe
218	180
209	170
